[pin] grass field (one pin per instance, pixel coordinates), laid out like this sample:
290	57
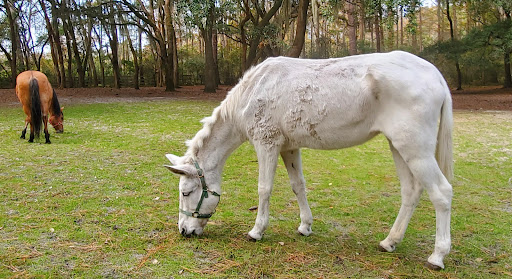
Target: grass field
97	203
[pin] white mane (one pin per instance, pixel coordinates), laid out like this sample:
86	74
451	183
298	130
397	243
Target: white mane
225	111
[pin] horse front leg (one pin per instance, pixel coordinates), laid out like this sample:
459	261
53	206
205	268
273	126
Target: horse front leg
267	161
292	161
46	134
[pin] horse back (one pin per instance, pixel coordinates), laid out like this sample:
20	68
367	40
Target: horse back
45	88
335	103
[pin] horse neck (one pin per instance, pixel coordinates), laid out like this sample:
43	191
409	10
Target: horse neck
222	140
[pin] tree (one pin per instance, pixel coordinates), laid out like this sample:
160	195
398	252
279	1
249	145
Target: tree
300	29
202	14
10	12
452	36
157	32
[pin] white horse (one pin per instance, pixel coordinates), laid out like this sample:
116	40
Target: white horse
284	104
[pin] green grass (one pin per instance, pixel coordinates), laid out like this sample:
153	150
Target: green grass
97	203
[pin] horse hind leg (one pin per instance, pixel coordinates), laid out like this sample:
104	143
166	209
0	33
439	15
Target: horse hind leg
32	133
426	171
24	131
411	191
292	161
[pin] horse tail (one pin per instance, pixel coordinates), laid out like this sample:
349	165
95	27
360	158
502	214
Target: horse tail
36	115
55	108
444	150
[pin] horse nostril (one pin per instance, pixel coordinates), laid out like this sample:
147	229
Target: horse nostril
183	232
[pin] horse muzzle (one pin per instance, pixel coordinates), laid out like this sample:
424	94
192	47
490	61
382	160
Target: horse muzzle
189	226
190	232
59	131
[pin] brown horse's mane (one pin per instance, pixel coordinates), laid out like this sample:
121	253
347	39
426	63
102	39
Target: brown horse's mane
55	107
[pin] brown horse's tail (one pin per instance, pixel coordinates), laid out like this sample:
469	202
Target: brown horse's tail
36	115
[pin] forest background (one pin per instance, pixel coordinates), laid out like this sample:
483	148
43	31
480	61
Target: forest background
168	43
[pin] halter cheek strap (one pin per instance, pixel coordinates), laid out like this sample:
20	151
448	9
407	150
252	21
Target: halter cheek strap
204	195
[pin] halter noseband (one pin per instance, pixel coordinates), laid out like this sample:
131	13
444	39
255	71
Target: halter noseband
204	195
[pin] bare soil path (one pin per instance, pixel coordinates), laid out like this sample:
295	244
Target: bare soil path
481	98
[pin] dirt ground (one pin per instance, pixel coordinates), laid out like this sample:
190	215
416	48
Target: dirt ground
481	98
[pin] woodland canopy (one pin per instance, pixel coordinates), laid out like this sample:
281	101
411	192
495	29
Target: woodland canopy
168	43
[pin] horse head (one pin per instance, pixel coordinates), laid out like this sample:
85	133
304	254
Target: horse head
197	200
57	121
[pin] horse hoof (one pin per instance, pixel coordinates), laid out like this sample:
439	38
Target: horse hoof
432	266
383	249
48	142
22	137
250	238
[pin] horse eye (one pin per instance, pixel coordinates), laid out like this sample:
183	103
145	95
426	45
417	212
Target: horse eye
186	194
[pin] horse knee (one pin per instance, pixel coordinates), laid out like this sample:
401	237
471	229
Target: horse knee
299	187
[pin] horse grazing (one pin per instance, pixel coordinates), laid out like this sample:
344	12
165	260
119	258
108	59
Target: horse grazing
38	99
284	104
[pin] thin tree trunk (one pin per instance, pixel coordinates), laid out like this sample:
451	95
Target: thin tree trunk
14	45
209	71
351	25
135	59
300	30
457	66
508	77
377	26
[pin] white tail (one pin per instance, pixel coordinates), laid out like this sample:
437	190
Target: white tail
444	150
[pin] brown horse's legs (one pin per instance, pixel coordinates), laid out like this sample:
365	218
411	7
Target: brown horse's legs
31	139
24	132
46	134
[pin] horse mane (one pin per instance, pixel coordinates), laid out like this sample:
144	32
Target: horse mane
227	110
55	107
223	112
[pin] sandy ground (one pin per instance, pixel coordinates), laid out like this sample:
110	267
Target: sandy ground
481	98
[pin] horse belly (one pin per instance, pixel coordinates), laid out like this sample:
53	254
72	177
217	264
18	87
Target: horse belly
327	136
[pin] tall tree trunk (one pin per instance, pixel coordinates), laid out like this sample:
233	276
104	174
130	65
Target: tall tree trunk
315	25
452	36
141	66
362	26
378	33
439	21
508	77
14	45
114	47
135	59
421	30
70	61
53	44
60	52
351	25
300	30
209	70
92	68
215	43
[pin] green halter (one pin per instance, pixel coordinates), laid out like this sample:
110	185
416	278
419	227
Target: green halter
204	195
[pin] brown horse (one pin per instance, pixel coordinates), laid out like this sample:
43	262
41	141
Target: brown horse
38	99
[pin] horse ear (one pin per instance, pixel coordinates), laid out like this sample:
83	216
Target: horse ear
187	170
173	159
